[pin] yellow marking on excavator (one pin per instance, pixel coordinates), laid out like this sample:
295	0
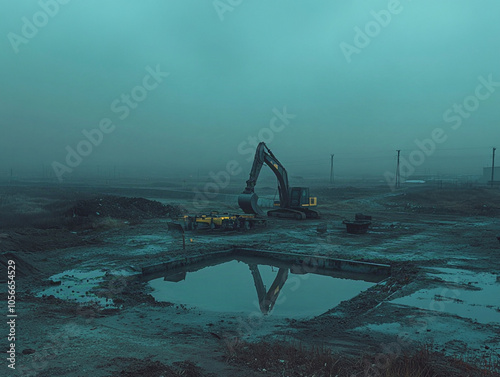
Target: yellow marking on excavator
312	202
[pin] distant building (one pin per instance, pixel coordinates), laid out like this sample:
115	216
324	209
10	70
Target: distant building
487	175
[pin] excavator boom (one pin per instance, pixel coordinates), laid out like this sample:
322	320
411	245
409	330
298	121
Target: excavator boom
248	199
294	201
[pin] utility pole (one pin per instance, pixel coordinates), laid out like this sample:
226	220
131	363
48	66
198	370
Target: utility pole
331	168
398	177
493	168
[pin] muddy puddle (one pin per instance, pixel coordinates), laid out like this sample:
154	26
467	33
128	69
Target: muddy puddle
258	286
80	286
463	293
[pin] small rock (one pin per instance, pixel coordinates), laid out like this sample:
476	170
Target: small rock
322	228
28	351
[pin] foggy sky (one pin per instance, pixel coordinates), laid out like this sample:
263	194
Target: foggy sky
226	77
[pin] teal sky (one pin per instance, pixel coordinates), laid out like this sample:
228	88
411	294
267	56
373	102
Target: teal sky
227	75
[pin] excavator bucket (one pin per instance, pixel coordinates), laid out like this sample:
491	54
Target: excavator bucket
248	203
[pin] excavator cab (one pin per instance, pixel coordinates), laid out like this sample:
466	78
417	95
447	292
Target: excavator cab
299	198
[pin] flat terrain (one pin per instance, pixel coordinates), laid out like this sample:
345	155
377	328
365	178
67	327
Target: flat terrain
444	291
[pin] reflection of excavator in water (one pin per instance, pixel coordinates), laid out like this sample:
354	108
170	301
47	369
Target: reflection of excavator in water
268	299
294	202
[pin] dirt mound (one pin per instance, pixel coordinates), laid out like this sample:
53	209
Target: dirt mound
72	209
33	225
118	207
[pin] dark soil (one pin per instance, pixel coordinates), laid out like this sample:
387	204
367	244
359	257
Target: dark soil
472	202
285	359
412	230
132	367
131	209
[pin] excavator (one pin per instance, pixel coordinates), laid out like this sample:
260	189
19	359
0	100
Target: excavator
294	202
268	298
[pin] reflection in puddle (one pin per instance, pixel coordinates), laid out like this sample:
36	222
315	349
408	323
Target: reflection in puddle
257	286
